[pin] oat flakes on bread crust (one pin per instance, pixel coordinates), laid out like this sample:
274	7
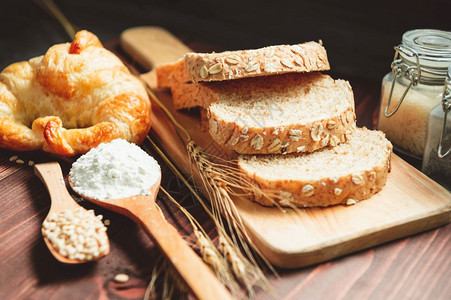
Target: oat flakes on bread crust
228	65
350	172
71	99
272	60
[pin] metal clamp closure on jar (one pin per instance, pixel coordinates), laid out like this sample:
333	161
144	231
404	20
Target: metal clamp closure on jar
446	105
401	67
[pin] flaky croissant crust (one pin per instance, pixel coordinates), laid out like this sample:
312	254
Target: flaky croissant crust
70	100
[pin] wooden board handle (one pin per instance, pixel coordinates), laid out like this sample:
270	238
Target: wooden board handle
151	46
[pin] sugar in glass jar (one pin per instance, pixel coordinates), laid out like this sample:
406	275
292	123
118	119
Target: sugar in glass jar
414	88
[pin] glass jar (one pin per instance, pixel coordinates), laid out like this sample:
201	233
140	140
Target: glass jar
437	153
414	88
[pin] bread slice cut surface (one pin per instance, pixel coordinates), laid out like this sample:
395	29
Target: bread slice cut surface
349	172
279	114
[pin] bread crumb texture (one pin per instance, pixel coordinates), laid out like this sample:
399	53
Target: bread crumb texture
280	114
354	170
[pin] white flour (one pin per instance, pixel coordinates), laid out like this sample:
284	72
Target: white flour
113	170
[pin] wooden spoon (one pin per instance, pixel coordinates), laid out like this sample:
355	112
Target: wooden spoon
52	176
144	211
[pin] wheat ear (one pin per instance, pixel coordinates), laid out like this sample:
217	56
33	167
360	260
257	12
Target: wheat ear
244	271
219	180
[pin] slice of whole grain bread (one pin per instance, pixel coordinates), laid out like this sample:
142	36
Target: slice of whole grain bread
352	171
274	114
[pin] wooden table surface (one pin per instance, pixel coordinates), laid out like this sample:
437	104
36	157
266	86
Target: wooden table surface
417	267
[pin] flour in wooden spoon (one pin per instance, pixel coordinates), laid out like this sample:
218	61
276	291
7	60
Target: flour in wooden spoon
114	170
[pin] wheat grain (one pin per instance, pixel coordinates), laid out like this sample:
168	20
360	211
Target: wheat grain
229	252
209	255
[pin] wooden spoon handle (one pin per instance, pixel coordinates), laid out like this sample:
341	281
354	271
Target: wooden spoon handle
52	176
199	278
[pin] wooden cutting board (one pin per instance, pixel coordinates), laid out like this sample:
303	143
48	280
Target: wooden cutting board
409	203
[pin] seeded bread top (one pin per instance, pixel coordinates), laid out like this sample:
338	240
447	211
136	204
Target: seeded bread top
366	149
271	60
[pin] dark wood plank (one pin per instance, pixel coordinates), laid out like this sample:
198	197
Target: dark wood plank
412	268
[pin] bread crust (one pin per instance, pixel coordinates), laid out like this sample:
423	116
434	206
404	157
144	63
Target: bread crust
353	187
171	74
70	100
187	95
272	60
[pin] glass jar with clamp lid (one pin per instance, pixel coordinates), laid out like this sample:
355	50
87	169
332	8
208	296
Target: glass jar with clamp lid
414	88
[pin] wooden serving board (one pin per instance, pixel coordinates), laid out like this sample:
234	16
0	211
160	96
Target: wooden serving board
409	203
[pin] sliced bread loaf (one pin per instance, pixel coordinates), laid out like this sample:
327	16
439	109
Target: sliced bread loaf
278	114
189	95
272	60
347	173
171	74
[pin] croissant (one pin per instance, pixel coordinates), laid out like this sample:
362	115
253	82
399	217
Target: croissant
71	99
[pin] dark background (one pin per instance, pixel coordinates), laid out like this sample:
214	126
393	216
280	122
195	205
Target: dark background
358	35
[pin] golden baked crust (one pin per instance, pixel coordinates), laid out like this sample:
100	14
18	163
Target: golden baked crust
70	100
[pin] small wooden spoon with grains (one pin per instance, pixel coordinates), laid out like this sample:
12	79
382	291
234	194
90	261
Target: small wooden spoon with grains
51	175
143	210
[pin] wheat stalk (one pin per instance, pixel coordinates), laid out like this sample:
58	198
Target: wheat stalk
219	180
